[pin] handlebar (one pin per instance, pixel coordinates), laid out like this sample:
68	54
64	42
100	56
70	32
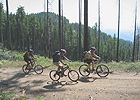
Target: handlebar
68	63
34	59
98	60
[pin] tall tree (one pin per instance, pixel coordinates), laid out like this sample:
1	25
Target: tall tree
8	26
1	7
45	47
48	34
98	27
21	14
62	27
80	11
85	25
59	24
118	32
133	59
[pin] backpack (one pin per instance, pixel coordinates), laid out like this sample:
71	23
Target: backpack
55	53
84	53
25	54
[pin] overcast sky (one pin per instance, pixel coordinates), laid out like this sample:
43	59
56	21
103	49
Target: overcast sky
109	13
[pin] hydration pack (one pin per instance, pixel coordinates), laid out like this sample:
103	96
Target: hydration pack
84	53
55	53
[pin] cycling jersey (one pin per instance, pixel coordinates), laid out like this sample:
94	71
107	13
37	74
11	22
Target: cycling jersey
88	55
57	57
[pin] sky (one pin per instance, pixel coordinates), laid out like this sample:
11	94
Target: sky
108	13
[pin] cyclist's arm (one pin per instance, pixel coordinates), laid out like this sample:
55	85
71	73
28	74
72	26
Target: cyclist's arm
66	58
96	56
62	62
33	56
93	58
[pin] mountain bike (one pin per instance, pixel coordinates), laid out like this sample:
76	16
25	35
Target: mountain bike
72	74
37	68
101	69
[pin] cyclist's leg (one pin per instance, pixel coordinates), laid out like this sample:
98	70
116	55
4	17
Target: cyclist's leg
92	65
89	62
28	62
59	65
31	63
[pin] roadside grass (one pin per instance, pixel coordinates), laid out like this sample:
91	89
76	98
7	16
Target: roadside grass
124	66
11	96
16	60
22	96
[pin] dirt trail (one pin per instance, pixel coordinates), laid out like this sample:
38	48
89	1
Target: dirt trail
117	86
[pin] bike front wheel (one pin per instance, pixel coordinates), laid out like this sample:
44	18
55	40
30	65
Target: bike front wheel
102	70
26	69
38	69
54	76
82	70
73	75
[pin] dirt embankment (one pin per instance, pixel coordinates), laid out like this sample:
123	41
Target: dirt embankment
117	86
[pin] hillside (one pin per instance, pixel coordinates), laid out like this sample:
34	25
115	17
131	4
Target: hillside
31	34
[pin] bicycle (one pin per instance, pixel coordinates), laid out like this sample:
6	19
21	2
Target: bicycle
72	74
101	69
37	68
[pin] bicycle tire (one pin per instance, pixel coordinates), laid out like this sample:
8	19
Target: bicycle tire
73	75
54	76
82	69
38	69
26	69
102	70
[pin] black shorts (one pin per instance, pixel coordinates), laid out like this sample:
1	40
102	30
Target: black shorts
88	61
27	60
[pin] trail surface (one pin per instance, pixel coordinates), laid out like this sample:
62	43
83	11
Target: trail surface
117	86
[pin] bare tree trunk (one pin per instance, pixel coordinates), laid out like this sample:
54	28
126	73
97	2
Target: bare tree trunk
45	47
118	32
59	24
133	59
34	36
85	25
138	47
22	33
8	25
99	27
80	11
62	27
1	26
50	36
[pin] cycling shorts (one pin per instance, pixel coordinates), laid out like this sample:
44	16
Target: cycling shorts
57	64
88	61
27	60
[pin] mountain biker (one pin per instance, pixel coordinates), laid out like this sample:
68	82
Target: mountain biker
90	57
27	57
58	62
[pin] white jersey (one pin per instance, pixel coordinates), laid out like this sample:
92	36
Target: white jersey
88	55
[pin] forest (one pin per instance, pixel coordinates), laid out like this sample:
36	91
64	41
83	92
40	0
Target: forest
30	31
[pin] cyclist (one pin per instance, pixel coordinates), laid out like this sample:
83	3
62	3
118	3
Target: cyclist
90	57
27	57
58	62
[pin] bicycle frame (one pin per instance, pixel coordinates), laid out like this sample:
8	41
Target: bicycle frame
96	63
34	63
67	67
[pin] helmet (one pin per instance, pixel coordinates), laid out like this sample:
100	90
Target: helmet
63	50
31	50
93	48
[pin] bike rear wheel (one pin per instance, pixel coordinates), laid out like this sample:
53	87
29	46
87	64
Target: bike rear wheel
26	69
54	76
38	69
82	70
73	75
102	70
